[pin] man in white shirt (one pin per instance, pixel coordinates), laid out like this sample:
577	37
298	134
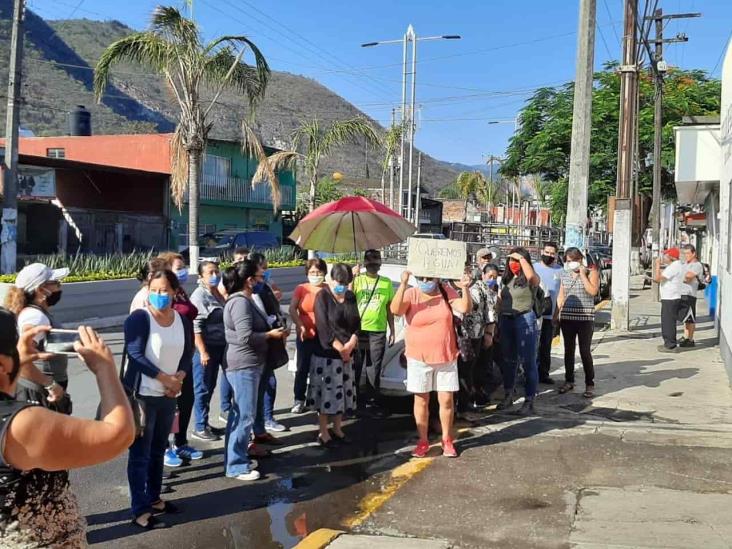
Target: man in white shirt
670	279
693	274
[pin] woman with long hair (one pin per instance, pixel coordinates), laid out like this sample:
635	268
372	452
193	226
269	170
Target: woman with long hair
518	328
576	311
159	347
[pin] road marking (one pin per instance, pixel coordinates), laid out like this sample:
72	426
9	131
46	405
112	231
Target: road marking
319	539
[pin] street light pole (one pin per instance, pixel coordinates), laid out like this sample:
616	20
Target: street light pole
408	116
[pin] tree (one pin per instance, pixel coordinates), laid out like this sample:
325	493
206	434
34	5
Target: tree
541	144
392	142
326	191
173	47
469	184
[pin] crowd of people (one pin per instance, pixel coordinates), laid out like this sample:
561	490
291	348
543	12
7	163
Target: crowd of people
462	340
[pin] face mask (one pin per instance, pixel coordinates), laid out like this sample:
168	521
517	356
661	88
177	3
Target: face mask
266	275
491	283
54	298
159	301
547	260
340	289
515	267
316	280
214	280
428	286
572	265
258	288
182	275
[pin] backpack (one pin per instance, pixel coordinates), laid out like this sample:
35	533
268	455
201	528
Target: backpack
540	302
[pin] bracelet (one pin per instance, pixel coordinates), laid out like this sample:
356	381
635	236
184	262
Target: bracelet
49	387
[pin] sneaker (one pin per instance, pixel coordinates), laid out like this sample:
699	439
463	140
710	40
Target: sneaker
274	426
251	475
546	381
266	438
257	452
206	435
687	343
421	450
448	448
506	403
224	416
299	407
527	409
188	452
218	431
171	459
664	349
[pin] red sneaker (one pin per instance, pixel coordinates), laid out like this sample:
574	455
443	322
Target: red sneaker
448	448
257	452
421	450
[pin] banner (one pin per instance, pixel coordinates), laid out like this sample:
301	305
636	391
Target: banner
36	182
435	258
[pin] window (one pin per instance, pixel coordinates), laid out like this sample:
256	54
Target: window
216	170
56	153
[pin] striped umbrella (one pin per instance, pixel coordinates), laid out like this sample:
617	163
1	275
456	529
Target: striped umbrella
351	224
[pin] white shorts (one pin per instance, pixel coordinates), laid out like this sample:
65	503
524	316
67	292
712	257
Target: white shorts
425	378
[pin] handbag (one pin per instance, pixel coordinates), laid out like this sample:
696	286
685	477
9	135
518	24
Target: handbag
137	405
464	343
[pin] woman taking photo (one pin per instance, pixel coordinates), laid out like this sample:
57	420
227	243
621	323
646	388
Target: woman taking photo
247	334
576	309
37	289
40	446
518	328
210	340
431	350
302	313
159	347
332	391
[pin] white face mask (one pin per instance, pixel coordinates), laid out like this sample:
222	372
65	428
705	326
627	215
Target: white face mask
572	265
316	280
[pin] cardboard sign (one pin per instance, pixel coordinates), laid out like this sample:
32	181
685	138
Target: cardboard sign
436	258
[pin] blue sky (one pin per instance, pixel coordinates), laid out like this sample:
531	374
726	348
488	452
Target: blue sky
509	47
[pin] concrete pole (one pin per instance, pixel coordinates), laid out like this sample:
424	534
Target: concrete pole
418	198
9	233
623	207
404	122
391	165
579	158
657	134
410	31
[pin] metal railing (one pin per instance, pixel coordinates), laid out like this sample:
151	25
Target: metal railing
240	191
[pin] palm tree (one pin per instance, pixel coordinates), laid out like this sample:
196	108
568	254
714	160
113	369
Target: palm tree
173	47
470	184
392	142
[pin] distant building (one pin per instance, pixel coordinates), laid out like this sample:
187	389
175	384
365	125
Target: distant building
454	211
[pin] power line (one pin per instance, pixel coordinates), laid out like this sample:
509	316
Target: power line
721	54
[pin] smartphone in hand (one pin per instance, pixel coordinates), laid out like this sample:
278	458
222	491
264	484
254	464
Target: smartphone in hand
61	342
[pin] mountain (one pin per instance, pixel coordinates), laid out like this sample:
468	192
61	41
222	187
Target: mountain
58	72
482	168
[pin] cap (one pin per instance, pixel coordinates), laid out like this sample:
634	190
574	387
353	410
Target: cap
672	252
8	333
483	252
33	276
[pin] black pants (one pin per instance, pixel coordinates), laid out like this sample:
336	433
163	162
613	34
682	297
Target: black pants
371	348
545	348
466	374
573	331
669	317
185	408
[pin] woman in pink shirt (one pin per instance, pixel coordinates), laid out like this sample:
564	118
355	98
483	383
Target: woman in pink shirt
431	350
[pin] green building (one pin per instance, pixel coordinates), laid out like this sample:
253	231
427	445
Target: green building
227	199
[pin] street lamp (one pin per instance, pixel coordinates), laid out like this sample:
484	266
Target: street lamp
409	36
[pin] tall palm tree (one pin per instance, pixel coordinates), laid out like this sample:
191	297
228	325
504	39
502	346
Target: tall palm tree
392	142
470	184
174	48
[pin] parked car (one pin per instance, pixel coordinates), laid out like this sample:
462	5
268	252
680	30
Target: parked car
434	236
223	243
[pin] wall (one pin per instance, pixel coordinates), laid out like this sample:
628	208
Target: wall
725	216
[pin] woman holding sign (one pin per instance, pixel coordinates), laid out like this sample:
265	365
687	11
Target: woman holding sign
431	350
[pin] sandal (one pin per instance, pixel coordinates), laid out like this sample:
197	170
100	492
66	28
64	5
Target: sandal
566	388
589	391
151	524
168	508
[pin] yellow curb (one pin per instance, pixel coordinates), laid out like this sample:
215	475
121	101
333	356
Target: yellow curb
319	539
370	503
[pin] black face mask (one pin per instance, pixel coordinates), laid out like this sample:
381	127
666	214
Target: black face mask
547	259
54	298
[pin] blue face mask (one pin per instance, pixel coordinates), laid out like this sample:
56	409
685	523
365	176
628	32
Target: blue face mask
159	301
258	288
340	289
491	283
428	286
267	275
214	280
182	275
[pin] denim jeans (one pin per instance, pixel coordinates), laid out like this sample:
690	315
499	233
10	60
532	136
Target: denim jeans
265	400
304	354
545	347
226	393
145	460
518	344
204	383
245	385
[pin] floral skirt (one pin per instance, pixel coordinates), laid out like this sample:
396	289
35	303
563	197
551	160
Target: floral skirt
332	390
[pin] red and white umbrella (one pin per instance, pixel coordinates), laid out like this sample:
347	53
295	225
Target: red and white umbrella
351	224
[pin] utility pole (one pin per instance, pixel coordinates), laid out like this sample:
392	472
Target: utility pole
622	225
413	37
659	68
579	158
418	200
9	233
391	165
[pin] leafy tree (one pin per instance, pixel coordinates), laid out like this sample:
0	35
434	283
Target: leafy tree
326	190
173	47
541	145
392	142
470	184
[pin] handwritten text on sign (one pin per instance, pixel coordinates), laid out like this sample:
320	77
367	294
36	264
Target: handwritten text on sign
436	258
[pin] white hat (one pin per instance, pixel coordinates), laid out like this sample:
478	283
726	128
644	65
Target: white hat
33	276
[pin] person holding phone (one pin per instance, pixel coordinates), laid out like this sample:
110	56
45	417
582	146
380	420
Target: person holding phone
40	446
159	346
36	290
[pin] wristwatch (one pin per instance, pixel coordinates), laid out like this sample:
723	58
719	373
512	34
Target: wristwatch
51	386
